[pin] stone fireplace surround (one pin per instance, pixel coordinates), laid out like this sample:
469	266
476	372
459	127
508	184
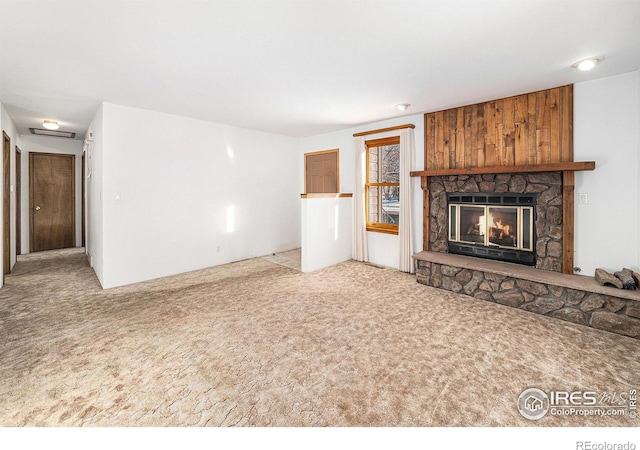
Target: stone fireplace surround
548	222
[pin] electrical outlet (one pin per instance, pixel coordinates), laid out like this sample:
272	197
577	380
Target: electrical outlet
584	199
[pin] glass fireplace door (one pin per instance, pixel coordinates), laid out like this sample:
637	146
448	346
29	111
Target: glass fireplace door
472	224
498	226
492	226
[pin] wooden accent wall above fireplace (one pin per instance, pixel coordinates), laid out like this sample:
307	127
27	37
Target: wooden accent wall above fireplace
528	129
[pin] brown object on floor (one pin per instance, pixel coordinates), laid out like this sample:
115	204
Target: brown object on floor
606	279
626	276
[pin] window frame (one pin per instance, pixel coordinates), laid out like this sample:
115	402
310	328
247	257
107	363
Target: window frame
377	226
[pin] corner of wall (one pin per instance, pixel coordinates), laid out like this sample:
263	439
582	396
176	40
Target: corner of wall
93	148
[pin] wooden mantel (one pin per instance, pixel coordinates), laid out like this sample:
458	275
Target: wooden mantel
553	167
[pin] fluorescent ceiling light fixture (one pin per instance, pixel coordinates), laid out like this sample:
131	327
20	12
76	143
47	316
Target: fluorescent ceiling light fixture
50	125
41	132
402	106
586	64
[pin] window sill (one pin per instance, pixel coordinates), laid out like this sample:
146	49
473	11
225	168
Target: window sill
326	195
383	230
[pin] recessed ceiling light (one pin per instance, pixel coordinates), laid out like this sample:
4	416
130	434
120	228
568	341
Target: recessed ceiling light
50	125
402	106
586	64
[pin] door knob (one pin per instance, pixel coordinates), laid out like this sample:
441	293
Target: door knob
37	208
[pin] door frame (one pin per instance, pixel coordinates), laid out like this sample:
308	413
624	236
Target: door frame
18	190
31	191
6	204
83	195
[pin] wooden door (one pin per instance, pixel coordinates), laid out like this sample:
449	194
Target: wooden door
51	201
6	204
321	172
18	201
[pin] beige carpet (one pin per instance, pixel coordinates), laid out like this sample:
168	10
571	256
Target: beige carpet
257	344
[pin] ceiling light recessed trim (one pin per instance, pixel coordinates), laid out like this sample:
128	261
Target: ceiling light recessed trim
402	106
587	63
50	125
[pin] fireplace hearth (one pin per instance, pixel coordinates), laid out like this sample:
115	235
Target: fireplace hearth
494	226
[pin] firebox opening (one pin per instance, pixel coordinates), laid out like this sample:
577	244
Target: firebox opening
494	226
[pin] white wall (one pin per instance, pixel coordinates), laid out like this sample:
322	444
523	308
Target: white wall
606	127
382	248
181	194
47	144
327	231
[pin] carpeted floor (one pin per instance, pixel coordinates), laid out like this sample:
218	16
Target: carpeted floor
257	344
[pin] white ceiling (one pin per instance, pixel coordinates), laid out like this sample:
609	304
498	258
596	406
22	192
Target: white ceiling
298	68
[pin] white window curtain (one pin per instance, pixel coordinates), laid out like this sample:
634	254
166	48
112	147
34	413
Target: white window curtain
405	228
360	221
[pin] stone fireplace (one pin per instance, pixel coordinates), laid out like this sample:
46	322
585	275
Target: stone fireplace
534	198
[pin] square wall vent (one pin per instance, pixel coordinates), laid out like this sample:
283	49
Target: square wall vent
62	134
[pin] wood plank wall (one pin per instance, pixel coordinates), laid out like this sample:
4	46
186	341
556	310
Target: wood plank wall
535	128
528	129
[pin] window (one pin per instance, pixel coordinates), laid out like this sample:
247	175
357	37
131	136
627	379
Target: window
382	186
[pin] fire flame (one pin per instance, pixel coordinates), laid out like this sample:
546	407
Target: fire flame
496	226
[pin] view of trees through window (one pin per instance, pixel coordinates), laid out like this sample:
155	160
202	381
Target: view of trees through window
383	185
